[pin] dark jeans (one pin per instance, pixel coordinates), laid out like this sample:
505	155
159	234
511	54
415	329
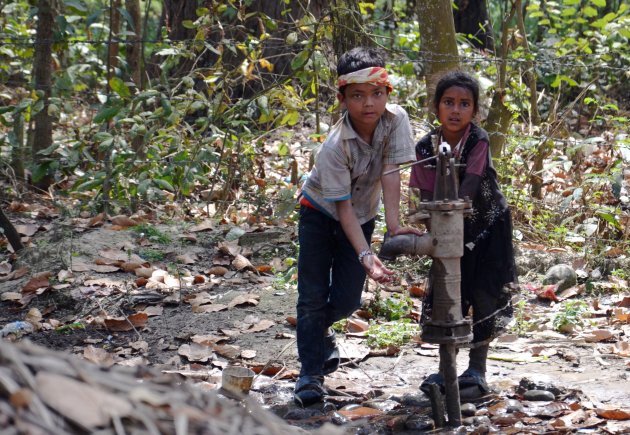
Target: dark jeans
330	282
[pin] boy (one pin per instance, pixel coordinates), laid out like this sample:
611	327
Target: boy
339	204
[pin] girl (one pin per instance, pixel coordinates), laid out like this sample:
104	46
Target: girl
488	267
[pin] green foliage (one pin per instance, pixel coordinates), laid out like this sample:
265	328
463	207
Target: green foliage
395	307
572	315
522	322
151	233
393	334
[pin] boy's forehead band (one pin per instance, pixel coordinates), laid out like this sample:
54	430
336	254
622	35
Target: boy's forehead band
373	75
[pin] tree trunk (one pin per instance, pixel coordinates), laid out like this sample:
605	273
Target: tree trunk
134	48
472	19
114	31
10	232
348	31
42	71
530	78
438	42
499	117
17	151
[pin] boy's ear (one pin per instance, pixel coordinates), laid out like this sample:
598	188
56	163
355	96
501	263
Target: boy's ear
342	100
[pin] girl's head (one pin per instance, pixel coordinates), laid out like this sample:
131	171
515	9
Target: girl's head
456	103
459	79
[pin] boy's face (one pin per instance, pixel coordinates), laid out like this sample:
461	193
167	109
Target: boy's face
365	103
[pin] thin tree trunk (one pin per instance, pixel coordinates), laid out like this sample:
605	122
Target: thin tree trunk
114	31
42	72
348	30
17	153
439	46
10	232
530	77
499	117
134	49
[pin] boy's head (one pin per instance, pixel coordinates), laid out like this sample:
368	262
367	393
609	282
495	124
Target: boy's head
458	79
360	59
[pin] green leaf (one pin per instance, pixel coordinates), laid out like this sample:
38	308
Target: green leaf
610	219
77	5
569	12
571	2
164	184
299	60
119	86
106	114
291	118
590	11
599	3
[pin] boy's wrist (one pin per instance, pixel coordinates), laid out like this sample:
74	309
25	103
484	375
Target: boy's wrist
365	253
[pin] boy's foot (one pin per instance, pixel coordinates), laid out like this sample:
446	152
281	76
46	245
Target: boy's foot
435	378
333	359
309	390
472	378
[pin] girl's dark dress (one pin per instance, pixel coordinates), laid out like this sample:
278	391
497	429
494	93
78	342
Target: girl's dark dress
488	268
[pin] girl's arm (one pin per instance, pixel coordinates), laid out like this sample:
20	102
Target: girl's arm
351	227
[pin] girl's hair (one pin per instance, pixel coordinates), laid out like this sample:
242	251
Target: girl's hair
459	79
359	58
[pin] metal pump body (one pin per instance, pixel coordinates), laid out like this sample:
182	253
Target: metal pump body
444	242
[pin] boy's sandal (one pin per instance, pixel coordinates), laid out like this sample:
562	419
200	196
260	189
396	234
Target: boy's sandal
435	378
308	390
473	378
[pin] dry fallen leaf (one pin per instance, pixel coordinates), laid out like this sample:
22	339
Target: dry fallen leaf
613	413
196	352
202	226
40	280
123	221
86	405
217	270
357	325
98	356
186	259
241	263
27	230
246	299
597	335
248	354
261	326
360	412
137	320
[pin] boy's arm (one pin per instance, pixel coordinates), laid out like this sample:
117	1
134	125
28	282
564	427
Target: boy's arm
391	203
354	233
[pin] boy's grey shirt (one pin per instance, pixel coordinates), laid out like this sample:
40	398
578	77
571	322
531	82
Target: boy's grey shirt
347	167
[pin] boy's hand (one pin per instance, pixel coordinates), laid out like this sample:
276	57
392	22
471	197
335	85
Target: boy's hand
405	230
376	270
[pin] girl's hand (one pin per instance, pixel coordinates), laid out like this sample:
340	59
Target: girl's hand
405	230
376	270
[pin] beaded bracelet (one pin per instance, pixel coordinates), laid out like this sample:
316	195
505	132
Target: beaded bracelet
364	254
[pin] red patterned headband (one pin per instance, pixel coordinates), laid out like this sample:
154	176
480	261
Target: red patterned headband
374	75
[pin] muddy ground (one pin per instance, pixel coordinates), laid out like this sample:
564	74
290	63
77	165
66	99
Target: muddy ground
570	364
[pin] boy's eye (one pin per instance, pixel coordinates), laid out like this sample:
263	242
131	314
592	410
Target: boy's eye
378	93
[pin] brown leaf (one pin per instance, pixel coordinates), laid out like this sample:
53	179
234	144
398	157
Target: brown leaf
227	350
291	320
613	413
97	220
416	291
248	354
229	248
98	356
153	310
217	270
21	398
196	352
27	230
360	412
123	221
547	292
199	279
264	268
5	268
202	226
40	280
137	320
86	405
130	266
597	335
241	263
141	281
208	308
246	299
186	258
144	272
357	325
261	326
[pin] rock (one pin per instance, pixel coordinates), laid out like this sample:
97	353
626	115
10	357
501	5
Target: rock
561	274
468	409
411	399
527	384
539	396
301	413
514	406
419	423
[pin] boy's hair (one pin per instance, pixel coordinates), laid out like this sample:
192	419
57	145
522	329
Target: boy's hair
459	79
357	59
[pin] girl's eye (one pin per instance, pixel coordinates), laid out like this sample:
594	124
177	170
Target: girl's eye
465	104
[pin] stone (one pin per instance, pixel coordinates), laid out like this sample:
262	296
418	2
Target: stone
539	396
561	274
468	409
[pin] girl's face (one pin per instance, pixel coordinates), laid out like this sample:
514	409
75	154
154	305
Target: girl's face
456	110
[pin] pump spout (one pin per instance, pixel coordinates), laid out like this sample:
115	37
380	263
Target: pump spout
409	244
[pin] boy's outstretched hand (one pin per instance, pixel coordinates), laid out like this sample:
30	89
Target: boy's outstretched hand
376	270
405	230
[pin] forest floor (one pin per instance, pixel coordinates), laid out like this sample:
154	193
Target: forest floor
193	298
